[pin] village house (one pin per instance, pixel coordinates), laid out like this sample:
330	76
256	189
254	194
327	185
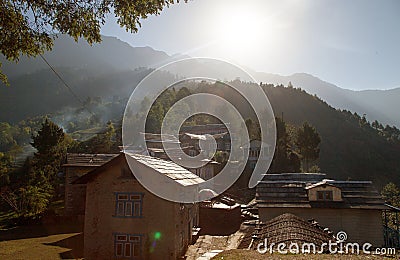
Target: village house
125	220
78	164
204	129
158	140
255	152
189	144
75	166
354	207
208	170
222	142
220	216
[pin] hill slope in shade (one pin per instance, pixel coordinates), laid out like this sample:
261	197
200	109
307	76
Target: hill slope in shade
111	53
349	150
42	92
381	105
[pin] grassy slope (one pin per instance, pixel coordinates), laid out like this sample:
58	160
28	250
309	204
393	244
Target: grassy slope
42	242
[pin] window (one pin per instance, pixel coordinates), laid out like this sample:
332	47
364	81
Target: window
128	245
325	195
129	205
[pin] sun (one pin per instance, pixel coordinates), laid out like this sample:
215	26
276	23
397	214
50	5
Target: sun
242	29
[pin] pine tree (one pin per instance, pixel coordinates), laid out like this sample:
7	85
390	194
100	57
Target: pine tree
51	144
308	141
285	159
48	139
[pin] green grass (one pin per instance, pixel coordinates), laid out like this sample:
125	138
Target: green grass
42	242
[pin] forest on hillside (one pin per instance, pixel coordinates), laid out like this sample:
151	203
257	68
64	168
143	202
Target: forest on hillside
348	147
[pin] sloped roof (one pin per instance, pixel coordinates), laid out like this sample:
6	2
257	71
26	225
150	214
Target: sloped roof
150	137
202	127
303	177
87	160
167	168
282	191
196	137
288	228
323	182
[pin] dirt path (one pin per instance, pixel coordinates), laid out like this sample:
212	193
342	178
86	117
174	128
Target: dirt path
207	243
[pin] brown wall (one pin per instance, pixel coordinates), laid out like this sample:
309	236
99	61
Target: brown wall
158	215
216	221
75	194
361	225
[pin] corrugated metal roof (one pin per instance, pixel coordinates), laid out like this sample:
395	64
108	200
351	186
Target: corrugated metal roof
82	159
281	191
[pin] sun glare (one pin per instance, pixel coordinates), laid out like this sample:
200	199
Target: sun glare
243	30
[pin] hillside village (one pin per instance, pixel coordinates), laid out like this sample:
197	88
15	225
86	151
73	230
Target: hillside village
95	193
199	129
124	220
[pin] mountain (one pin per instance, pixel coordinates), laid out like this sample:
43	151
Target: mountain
348	149
381	105
42	93
110	54
109	69
113	55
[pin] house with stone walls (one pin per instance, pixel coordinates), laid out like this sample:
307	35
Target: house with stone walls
354	207
123	220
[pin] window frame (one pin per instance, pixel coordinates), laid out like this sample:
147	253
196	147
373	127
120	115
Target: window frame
325	196
135	202
133	244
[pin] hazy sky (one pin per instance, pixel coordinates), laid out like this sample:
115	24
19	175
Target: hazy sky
353	44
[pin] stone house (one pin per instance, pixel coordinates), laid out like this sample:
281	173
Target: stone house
354	207
255	152
75	166
158	140
211	129
192	143
123	220
207	171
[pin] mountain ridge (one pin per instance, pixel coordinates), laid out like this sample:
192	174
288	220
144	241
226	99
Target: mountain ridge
381	105
114	55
